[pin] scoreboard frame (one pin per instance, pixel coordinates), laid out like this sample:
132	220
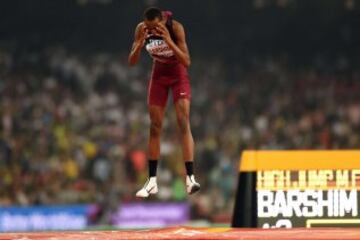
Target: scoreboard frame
294	161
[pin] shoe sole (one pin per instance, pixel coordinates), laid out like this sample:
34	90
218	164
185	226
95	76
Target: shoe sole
152	191
194	189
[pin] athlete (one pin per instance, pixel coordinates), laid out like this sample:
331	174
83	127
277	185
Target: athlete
164	39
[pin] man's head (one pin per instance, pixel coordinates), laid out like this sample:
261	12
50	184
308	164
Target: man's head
152	17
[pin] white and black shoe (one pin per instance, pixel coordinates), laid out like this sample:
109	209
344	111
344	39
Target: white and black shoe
191	185
150	187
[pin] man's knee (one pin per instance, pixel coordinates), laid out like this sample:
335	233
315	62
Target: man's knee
183	123
155	128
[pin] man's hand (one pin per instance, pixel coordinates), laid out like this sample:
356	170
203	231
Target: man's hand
163	32
143	34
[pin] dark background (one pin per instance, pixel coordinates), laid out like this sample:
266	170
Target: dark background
233	30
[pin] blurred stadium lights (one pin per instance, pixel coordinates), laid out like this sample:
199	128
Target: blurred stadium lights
260	4
85	2
349	4
257	4
151	2
263	3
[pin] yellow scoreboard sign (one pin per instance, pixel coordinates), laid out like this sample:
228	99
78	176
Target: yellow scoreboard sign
299	160
298	189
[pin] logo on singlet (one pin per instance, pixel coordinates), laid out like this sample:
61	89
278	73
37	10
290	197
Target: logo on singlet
158	47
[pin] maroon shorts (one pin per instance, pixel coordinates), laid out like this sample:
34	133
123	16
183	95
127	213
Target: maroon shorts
166	77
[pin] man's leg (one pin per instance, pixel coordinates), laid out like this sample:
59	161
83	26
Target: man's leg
156	121
157	99
182	107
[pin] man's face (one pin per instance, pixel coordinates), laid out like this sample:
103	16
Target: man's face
151	25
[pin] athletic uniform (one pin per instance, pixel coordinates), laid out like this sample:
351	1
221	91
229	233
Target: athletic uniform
167	71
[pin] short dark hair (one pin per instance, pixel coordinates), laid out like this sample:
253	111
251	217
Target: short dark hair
151	13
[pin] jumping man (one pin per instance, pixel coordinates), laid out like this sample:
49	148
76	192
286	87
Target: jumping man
164	39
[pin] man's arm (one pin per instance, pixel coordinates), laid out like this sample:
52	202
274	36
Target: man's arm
139	41
180	49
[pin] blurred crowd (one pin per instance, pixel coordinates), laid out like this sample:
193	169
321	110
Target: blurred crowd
74	125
